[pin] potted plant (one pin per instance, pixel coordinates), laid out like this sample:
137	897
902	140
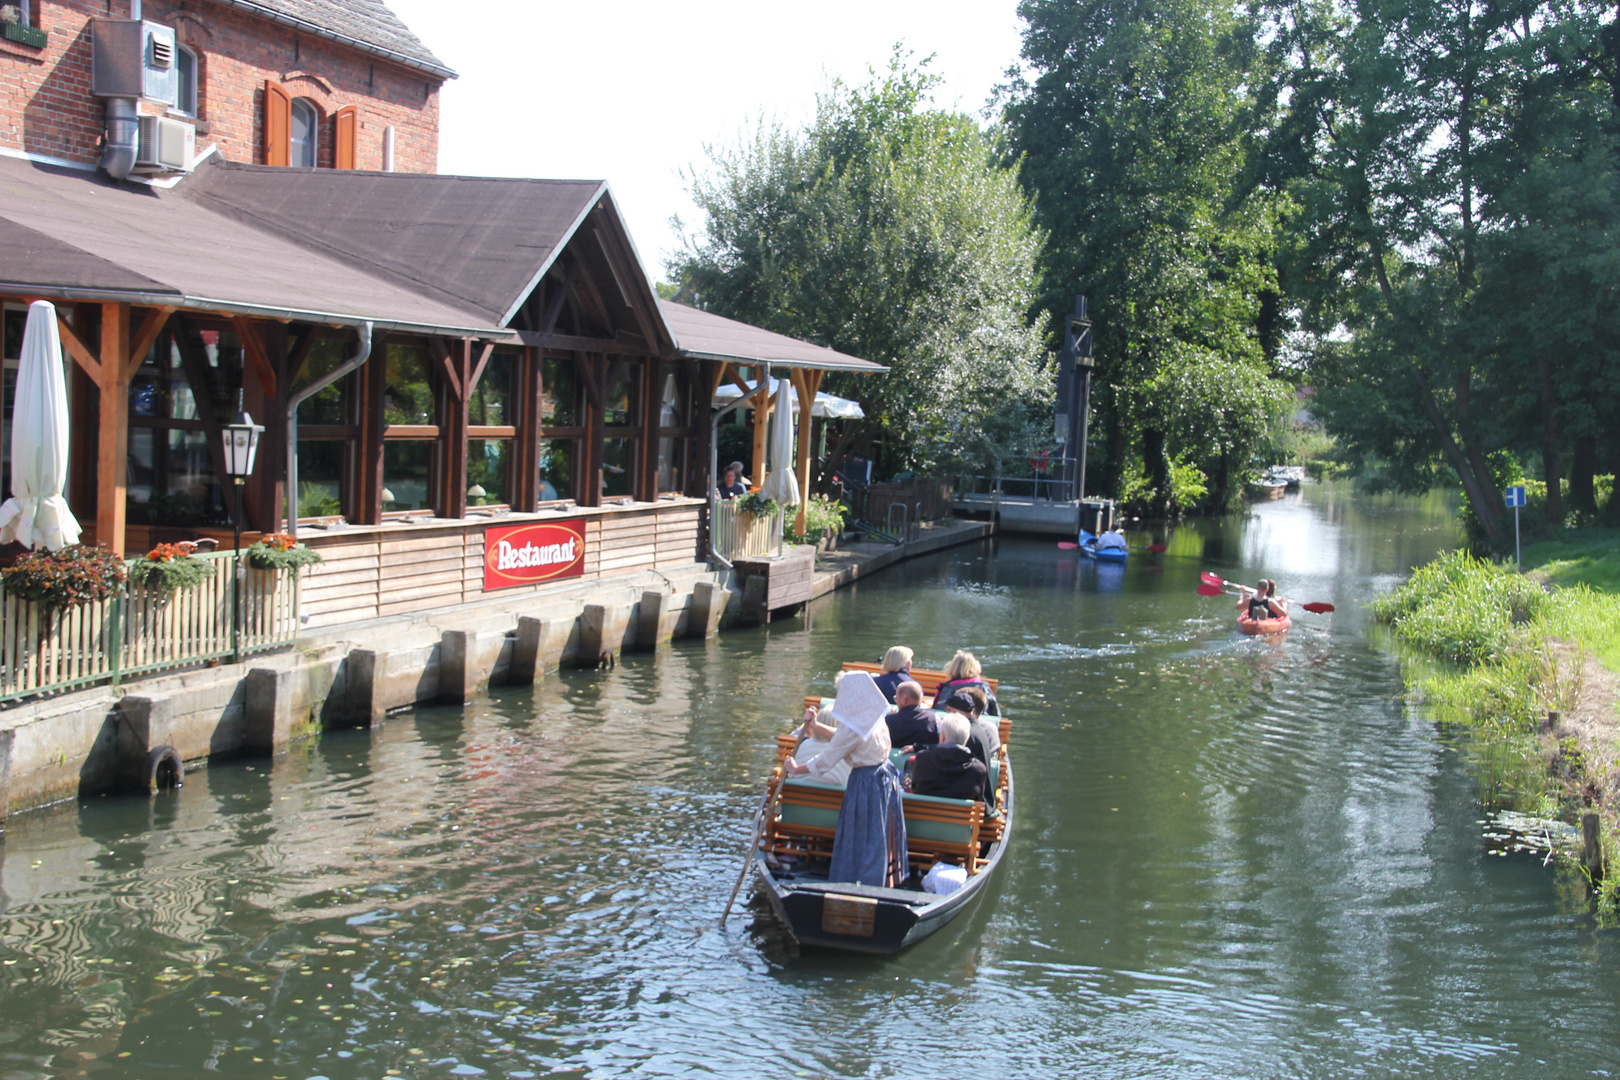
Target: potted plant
169	567
758	506
823	521
279	551
77	574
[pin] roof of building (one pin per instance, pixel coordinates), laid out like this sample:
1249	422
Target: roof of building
409	251
704	335
92	238
476	242
367	25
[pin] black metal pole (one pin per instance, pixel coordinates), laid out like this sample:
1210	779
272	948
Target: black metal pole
236	579
1084	375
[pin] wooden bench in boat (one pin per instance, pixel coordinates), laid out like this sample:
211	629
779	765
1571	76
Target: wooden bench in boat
936	829
927	678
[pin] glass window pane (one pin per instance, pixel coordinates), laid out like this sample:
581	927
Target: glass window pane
492	398
559	408
671	463
672	409
556	469
618	466
141	465
407	467
320	478
408	396
486	471
182	402
331	405
185	69
622	398
302	136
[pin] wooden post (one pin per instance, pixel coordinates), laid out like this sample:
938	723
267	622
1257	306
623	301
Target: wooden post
762	423
807	398
264	396
652	401
112	449
591	370
459	367
374	380
1592	846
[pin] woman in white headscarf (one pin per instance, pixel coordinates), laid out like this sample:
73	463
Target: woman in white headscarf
869	843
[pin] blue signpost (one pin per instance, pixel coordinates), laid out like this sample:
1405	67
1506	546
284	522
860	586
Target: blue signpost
1515	499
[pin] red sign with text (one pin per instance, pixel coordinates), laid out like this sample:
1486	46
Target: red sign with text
529	554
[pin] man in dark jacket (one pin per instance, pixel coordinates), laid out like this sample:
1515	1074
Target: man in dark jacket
911	724
984	739
949	770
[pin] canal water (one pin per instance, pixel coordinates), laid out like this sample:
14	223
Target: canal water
1232	858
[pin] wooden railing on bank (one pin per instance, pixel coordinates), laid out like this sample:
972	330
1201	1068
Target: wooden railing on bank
745	536
138	630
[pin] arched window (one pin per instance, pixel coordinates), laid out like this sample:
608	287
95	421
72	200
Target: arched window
303	134
185	69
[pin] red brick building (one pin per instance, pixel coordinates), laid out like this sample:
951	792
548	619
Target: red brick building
329	83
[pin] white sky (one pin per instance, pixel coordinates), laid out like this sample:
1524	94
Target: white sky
631	91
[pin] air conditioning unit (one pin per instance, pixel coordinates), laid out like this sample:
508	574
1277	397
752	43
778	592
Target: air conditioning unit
165	145
130	58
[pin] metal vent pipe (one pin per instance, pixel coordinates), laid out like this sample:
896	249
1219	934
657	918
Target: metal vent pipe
123	134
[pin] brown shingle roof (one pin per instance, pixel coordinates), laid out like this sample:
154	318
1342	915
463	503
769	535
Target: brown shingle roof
367	25
704	335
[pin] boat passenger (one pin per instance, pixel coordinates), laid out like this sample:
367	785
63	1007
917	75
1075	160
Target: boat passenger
896	670
962	672
949	770
984	738
1263	603
1112	540
911	725
814	738
869	841
731	485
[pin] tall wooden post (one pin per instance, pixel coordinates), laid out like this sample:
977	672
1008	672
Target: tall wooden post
112	448
762	423
459	399
374	381
802	383
652	403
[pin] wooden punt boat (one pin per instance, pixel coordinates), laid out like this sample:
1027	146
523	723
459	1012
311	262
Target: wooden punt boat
1262	627
1089	548
791	862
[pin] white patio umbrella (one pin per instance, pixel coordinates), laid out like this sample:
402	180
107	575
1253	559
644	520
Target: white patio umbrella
828	406
781	484
38	514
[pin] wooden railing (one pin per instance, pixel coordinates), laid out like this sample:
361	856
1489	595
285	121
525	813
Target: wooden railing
743	536
139	630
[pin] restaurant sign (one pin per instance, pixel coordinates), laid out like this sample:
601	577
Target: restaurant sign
529	554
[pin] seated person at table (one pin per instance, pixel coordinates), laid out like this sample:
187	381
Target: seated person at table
731	482
896	670
983	740
962	672
949	770
911	725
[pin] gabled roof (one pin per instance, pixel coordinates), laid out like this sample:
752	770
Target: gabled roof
367	25
475	242
703	335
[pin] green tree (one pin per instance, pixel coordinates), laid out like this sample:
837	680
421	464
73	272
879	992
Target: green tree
1134	122
894	232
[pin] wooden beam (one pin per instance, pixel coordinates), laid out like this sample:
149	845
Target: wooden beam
576	343
478	368
258	358
588	377
447	367
142	342
76	349
303	342
621	278
762	420
652	399
554	306
807	398
112	448
454	431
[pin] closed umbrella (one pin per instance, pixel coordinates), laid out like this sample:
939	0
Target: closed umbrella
38	514
781	484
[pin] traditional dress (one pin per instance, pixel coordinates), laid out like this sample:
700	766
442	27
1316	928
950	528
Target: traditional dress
869	844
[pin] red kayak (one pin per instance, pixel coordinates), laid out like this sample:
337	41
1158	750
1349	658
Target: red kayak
1260	627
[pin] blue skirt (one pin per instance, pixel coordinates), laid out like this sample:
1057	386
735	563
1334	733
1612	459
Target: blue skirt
869	847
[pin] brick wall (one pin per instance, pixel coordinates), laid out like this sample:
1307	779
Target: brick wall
46	107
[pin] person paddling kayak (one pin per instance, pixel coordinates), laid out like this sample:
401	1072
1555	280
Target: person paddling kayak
1263	603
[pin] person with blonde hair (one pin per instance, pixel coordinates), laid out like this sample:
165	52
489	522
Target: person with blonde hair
896	670
961	673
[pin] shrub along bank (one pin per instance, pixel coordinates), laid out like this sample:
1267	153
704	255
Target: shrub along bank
1513	653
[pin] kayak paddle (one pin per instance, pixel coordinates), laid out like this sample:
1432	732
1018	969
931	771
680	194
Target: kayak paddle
1070	545
1216	582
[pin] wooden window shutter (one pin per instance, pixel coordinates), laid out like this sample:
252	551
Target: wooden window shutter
277	123
345	135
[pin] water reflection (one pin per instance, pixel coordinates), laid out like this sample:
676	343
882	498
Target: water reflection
1236	857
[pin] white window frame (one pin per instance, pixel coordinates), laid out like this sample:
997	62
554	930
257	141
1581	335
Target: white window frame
314	151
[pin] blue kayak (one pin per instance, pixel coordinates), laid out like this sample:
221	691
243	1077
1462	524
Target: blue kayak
1089	548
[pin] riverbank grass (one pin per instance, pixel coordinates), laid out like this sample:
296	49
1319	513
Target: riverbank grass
1533	673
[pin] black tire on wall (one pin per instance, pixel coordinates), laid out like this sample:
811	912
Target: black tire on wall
164	770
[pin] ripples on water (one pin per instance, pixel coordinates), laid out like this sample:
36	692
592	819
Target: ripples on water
1233	858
